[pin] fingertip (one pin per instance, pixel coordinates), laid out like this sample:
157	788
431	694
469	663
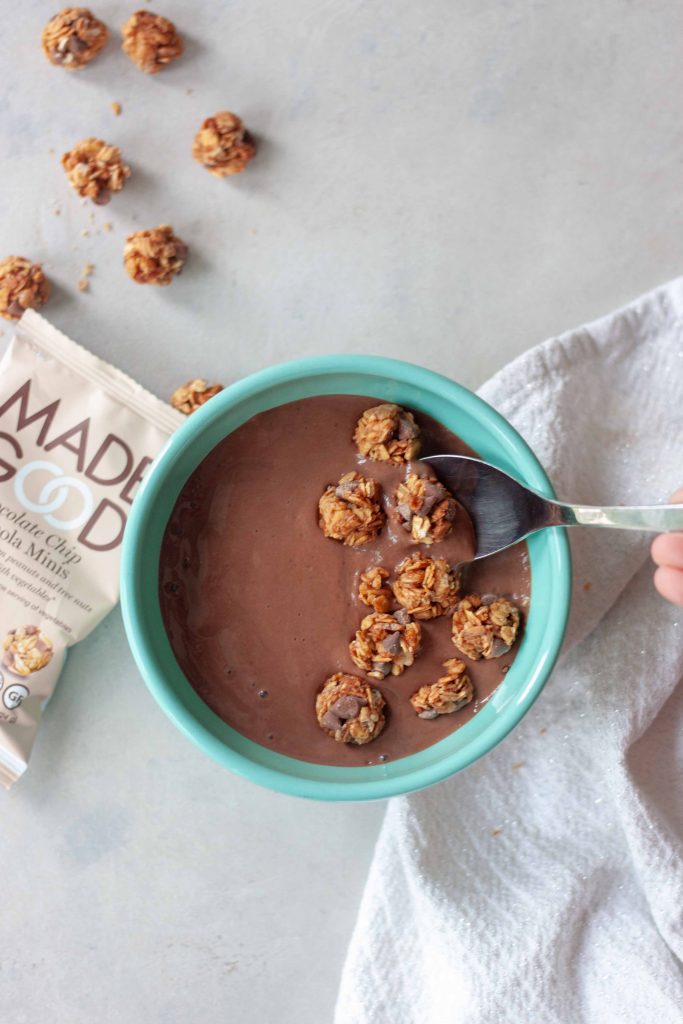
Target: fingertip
667	549
669	583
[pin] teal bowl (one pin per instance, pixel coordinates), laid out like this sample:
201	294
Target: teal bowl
462	412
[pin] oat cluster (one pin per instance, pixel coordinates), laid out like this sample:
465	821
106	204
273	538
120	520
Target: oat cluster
155	256
223	145
95	169
386	644
23	285
425	508
449	693
426	587
27	650
350	511
73	38
350	710
151	41
372	589
387	433
188	398
485	627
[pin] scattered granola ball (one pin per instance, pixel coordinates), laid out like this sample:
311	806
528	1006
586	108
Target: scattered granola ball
351	511
425	508
151	41
426	587
27	650
386	644
350	710
223	145
95	169
448	694
154	256
372	590
190	396
387	433
485	627
73	37
23	285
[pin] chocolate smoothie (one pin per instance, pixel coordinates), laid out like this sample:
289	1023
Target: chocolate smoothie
260	606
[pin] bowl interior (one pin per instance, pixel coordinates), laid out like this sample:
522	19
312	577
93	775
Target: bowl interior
463	413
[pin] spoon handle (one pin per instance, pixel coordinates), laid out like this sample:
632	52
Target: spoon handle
657	518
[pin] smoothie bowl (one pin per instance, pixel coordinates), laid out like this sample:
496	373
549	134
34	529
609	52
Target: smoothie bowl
295	585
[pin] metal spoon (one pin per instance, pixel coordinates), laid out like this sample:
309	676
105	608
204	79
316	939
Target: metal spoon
504	511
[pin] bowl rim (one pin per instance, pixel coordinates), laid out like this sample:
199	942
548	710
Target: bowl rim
368	366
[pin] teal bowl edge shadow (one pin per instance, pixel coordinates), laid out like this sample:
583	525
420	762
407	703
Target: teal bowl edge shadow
461	411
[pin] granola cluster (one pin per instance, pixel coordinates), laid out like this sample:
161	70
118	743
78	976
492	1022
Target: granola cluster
350	710
485	627
188	398
95	169
223	145
386	644
426	587
425	508
155	256
23	285
351	510
73	38
27	650
387	433
449	693
372	589
151	41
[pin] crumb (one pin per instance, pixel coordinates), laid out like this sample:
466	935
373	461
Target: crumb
543	731
188	92
116	107
223	145
518	764
51	151
83	285
496	832
57	212
107	225
587	585
85	232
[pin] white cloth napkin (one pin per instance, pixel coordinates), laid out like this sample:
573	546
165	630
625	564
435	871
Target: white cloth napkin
545	883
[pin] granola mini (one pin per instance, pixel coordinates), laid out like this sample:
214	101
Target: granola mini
223	145
73	38
95	169
426	587
449	693
386	644
154	256
372	589
188	398
350	710
27	650
23	286
485	627
151	41
351	510
387	433
425	508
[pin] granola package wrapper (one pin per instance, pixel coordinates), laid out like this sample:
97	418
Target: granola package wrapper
76	438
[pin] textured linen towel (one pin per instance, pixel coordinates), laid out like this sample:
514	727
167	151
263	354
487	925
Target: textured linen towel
545	883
